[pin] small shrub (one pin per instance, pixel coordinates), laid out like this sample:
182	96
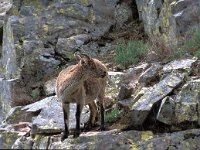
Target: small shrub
190	47
35	93
130	52
159	47
177	53
193	46
197	53
113	115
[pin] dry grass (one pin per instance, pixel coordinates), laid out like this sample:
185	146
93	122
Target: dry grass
159	50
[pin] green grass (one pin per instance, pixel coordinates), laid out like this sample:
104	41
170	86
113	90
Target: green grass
113	115
131	52
177	53
191	47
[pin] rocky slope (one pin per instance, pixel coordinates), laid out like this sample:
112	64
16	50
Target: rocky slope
161	112
158	103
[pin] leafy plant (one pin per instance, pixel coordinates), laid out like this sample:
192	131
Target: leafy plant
113	115
35	93
130	52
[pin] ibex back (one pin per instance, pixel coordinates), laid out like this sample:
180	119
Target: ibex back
82	84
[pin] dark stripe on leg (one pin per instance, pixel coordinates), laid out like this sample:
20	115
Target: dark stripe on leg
78	116
102	117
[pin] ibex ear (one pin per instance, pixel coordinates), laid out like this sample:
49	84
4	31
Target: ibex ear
87	57
77	56
84	61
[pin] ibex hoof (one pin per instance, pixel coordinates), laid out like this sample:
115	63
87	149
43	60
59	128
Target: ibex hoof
88	126
64	136
76	134
102	128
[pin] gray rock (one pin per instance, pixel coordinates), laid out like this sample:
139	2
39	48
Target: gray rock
7	139
8	90
132	74
123	14
5	5
186	112
46	116
91	48
147	97
34	32
107	48
114	77
67	46
187	102
26	113
23	143
41	142
16	115
125	92
166	111
172	21
190	91
50	118
49	87
184	64
152	73
131	139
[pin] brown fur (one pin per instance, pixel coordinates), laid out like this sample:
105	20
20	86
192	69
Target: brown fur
82	84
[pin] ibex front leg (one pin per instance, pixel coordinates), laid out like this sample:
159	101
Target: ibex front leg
66	120
78	117
102	110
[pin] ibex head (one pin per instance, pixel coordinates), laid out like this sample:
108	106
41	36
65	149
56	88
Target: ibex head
92	67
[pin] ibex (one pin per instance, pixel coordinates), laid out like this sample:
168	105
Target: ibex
82	84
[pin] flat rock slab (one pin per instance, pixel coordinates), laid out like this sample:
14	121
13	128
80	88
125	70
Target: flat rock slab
50	119
46	115
184	64
151	73
149	96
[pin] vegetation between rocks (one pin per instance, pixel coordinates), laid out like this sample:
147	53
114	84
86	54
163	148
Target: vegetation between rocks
130	52
113	115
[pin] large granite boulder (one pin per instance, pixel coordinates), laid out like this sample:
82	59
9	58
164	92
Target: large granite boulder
184	107
187	102
172	20
147	97
172	100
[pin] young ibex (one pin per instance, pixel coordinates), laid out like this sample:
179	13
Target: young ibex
82	84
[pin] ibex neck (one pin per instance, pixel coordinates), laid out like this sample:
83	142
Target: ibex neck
77	78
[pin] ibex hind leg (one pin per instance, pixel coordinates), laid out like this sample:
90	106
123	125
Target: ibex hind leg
102	110
66	120
93	115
